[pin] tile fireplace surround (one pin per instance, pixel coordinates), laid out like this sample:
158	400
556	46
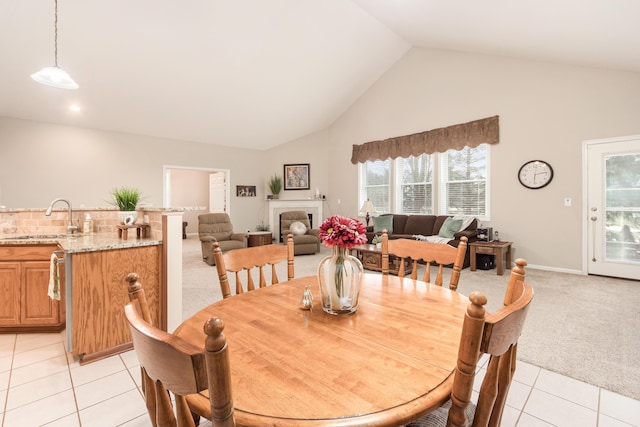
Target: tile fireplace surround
310	206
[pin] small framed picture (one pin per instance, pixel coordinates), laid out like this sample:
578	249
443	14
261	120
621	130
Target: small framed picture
245	190
296	177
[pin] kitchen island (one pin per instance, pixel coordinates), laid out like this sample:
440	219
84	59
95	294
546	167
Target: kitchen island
95	292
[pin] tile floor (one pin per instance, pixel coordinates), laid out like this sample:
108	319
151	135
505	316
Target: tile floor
41	384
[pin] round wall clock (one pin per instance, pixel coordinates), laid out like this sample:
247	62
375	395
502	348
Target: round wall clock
535	174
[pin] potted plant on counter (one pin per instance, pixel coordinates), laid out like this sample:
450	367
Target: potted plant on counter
126	199
275	185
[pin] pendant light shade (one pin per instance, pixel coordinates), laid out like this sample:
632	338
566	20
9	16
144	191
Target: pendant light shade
55	76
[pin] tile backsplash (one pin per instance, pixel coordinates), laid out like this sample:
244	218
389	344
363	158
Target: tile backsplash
34	221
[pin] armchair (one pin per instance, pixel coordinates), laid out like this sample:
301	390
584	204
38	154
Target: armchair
217	227
304	241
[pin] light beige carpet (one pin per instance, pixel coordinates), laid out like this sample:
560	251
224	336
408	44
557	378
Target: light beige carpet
585	327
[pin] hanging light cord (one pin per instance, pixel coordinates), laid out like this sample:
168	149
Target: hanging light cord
55	34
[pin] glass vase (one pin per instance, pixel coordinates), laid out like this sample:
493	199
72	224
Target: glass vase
339	276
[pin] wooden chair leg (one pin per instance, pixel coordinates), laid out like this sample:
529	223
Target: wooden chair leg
149	391
183	413
164	409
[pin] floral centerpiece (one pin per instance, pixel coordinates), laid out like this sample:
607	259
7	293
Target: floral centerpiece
340	274
343	232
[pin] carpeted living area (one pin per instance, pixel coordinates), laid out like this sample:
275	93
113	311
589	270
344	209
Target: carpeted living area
584	327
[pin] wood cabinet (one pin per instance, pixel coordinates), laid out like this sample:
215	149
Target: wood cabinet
259	238
98	325
24	281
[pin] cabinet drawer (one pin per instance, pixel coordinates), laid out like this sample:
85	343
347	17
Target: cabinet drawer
485	250
27	252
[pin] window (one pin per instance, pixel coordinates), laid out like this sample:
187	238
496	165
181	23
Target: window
451	183
374	182
463	181
415	178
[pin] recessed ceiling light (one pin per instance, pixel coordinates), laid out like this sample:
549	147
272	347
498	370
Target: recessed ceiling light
74	107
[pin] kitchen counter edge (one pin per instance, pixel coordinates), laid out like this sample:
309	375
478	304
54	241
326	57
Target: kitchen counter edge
82	243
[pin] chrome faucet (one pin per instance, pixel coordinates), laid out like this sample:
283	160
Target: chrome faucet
70	228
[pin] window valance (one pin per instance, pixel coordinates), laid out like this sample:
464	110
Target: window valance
455	137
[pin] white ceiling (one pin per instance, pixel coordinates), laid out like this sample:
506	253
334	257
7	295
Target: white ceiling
258	73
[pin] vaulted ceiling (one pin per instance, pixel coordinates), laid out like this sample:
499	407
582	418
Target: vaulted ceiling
258	73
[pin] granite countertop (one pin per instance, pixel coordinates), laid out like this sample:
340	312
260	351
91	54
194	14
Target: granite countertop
4	209
79	242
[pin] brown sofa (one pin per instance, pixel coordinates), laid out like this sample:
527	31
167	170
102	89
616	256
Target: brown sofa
407	226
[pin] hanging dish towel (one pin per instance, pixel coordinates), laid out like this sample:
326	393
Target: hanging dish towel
54	278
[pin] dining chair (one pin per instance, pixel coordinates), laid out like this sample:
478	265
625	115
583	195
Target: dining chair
249	260
431	253
171	364
493	334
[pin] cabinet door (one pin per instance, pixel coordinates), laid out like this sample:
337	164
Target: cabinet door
37	308
9	293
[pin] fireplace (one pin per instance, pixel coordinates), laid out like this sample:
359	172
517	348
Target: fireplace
310	206
310	215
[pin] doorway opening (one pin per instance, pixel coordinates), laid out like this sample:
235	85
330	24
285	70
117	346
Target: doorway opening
191	187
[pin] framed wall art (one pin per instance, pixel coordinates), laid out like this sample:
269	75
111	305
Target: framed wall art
296	176
245	190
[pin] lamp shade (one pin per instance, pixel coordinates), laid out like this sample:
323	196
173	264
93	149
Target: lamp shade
367	207
56	77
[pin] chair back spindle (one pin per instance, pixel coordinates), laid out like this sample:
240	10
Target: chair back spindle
245	263
436	254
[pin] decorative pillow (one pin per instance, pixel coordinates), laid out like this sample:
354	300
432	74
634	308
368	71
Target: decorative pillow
466	221
383	223
450	227
297	228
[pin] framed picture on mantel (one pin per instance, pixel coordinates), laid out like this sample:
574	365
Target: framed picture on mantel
296	176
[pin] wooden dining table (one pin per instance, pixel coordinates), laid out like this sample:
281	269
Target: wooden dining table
388	363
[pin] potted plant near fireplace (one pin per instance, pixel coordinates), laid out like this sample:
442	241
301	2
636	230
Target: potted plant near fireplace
275	185
126	199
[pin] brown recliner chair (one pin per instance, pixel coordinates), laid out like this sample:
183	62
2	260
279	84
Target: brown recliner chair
303	243
217	227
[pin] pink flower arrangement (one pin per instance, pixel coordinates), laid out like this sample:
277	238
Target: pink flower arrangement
342	231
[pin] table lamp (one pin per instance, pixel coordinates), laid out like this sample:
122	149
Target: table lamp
367	207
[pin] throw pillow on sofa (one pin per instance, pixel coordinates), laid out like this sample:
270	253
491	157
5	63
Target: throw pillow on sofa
383	223
466	221
450	227
297	228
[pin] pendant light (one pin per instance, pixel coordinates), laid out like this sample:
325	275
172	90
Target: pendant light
54	76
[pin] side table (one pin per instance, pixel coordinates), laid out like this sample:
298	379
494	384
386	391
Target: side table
498	249
259	238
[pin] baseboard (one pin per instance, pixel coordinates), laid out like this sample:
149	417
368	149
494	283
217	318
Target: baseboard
554	269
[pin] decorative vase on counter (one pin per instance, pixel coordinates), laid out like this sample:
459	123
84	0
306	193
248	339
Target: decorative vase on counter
127	217
340	276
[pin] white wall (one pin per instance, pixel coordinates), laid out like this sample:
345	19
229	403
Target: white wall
41	161
546	110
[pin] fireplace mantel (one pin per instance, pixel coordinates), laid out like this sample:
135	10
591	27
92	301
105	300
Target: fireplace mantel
276	207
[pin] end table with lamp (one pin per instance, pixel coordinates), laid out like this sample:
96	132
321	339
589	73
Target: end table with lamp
367	208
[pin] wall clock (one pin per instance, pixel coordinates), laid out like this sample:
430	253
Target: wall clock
535	174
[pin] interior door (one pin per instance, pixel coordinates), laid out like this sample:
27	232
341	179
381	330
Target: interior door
613	201
217	192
